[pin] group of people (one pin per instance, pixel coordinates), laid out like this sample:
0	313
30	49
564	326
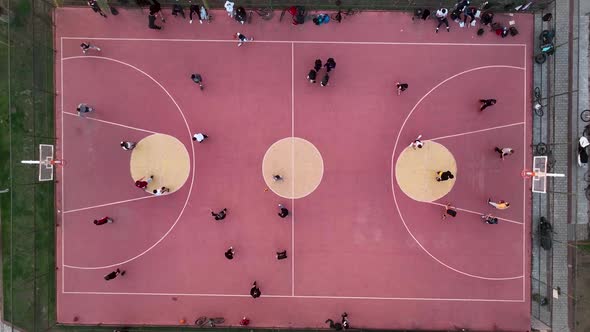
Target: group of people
313	73
447	175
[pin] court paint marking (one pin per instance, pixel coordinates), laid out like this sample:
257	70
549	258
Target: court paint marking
393	177
112	123
190	187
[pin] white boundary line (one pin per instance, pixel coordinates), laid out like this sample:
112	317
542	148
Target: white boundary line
291	41
113	123
478	131
293	169
192	177
305	297
63	202
477	213
107	204
524	112
393	176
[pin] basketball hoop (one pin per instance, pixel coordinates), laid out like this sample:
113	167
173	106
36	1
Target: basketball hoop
528	174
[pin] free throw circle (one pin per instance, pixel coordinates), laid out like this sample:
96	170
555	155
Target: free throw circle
162	156
415	171
298	162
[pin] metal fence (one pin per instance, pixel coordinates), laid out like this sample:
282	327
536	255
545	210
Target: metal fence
27	210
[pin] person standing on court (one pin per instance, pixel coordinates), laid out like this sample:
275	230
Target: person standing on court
255	291
485	103
94	5
220	215
152	22
330	64
400	87
281	255
318	65
83	109
156	9
489	219
200	137
87	46
102	221
504	151
142	184
311	76
444	176
417	143
449	210
114	274
501	205
128	145
325	80
229	254
283	211
198	79
441	16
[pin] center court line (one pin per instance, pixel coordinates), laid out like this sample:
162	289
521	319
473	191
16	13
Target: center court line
305	297
477	131
293	169
292	41
114	123
478	213
108	204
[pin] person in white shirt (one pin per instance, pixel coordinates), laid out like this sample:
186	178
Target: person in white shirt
199	137
229	7
441	16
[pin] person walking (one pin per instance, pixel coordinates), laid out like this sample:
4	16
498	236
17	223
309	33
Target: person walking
142	184
102	221
489	219
220	215
449	210
504	151
330	64
501	205
198	79
229	254
283	211
200	137
83	109
417	143
485	103
156	9
128	145
401	87
444	176
325	80
311	76
241	15
87	46
152	22
281	255
177	9
334	326
318	65
321	19
244	321
255	291
242	39
94	6
441	16
277	178
114	274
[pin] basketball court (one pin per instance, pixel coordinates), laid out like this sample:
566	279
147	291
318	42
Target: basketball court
364	235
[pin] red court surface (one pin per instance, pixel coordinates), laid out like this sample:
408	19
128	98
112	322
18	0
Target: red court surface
357	243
